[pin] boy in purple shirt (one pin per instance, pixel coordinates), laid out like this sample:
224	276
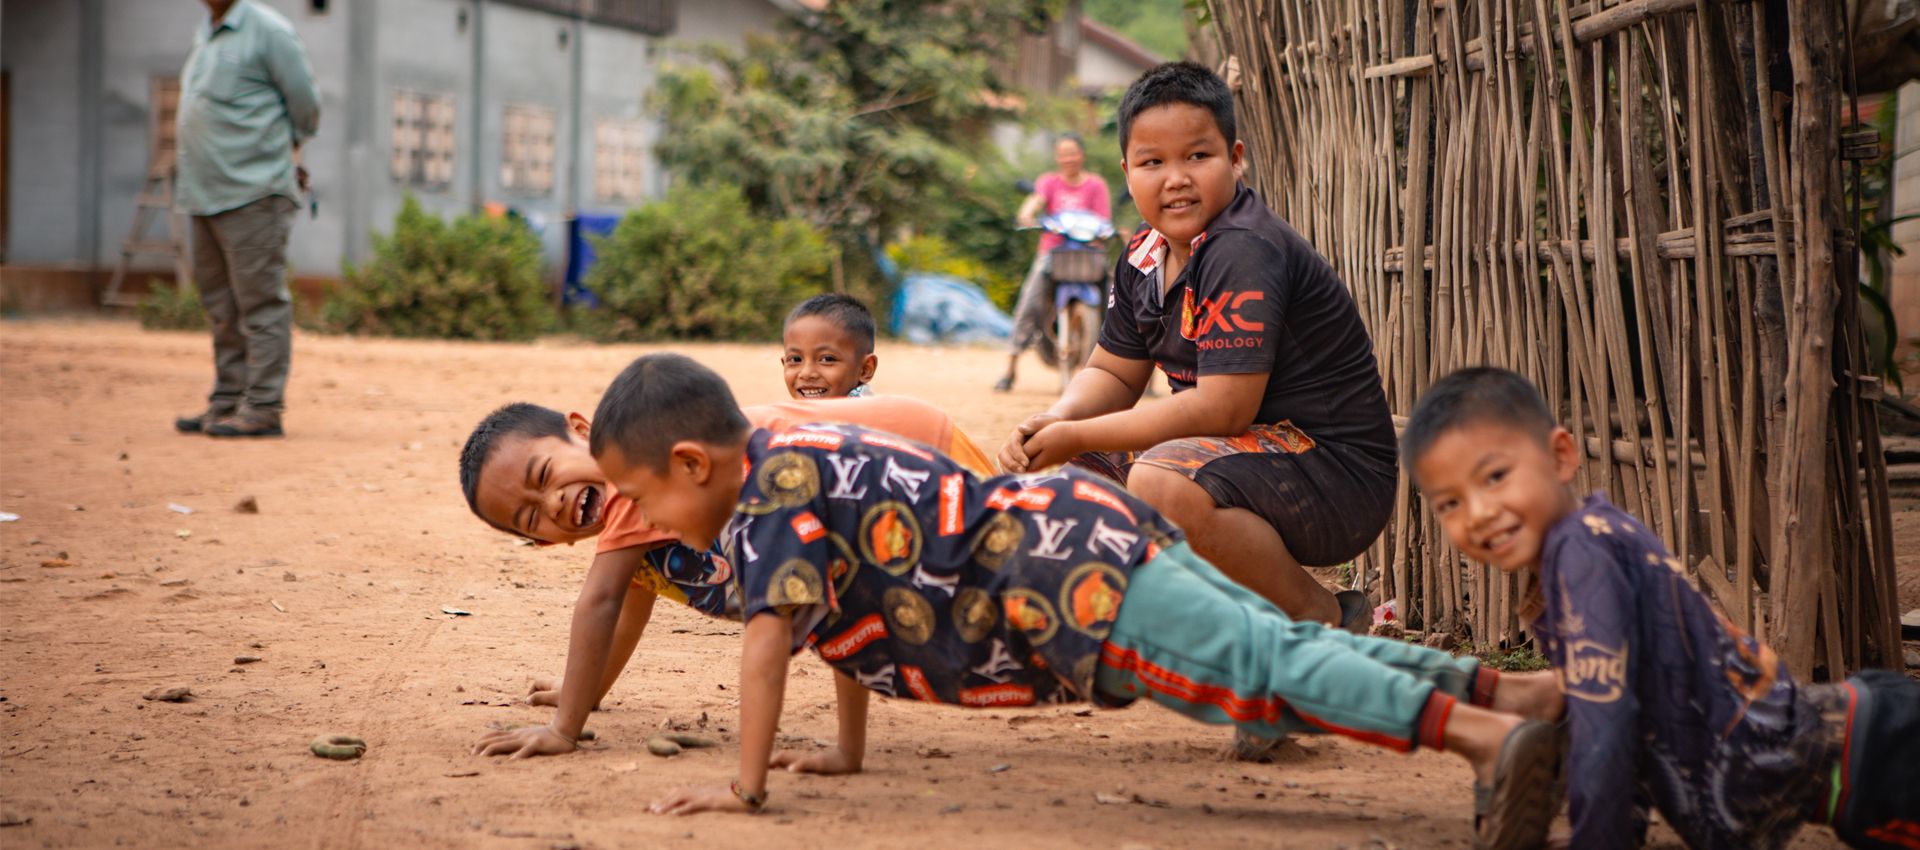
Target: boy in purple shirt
1669	704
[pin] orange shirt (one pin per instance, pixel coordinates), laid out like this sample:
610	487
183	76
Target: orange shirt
908	417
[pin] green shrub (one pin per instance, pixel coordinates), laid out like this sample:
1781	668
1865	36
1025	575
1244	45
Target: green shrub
1522	659
701	265
171	308
476	278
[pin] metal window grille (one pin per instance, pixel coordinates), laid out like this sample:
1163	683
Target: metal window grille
526	149
422	140
619	160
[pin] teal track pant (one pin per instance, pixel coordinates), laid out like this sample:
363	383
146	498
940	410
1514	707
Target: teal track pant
1191	639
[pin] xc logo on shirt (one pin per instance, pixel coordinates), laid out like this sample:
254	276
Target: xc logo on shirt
1220	314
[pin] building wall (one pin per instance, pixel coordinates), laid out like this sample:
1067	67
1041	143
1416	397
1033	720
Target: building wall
619	68
1096	67
525	63
81	70
724	21
47	208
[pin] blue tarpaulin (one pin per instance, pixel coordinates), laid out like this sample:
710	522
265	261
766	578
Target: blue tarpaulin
930	308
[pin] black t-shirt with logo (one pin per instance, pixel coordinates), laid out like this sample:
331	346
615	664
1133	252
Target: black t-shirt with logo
1254	297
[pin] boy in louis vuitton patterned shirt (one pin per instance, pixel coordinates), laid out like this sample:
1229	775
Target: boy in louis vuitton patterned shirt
912	577
1669	704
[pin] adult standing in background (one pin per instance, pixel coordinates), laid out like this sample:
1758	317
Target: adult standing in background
247	102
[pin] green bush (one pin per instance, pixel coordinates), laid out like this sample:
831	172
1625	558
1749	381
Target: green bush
171	308
476	278
701	265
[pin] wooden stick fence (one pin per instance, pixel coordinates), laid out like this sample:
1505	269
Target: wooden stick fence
1638	205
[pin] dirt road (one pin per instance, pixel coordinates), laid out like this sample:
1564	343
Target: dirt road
337	585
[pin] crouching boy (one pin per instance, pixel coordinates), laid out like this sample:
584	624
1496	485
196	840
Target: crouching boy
913	578
1669	704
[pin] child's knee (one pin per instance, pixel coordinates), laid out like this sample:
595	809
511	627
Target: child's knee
1174	495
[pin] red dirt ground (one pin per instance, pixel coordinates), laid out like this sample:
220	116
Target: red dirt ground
106	594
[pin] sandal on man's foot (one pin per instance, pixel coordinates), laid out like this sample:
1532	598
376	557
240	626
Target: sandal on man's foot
248	422
1515	812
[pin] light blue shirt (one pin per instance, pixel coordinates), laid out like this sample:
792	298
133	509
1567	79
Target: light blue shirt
246	98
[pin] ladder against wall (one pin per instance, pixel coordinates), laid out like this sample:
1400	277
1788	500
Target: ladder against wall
154	203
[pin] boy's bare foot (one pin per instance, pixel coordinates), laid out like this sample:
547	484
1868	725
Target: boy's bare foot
1535	696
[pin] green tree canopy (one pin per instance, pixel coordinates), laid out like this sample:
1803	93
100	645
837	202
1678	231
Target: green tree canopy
856	119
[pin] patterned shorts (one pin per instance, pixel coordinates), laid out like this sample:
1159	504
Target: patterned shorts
1328	502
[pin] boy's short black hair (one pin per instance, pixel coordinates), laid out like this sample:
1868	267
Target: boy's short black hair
660	400
1178	82
519	419
1473	395
845	311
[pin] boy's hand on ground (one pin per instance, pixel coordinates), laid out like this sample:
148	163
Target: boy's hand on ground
546	691
1053	445
689	801
524	741
828	762
1014	456
543	691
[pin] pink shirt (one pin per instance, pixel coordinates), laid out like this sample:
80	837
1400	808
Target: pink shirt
1090	196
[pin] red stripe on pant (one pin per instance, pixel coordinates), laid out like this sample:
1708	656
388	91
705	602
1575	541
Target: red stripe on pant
1485	682
1244	708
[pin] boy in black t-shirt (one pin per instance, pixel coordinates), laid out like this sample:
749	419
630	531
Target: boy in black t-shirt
911	577
1276	449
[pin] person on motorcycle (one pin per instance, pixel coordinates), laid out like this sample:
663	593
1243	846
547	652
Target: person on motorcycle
1071	187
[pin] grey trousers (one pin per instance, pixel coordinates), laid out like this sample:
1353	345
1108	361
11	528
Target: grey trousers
240	268
1033	314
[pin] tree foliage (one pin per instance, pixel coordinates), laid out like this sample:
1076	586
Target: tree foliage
859	119
476	278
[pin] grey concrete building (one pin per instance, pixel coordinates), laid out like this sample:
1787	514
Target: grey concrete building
538	105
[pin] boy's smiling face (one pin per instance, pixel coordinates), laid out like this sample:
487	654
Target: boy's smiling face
1181	170
547	489
823	360
693	496
1497	489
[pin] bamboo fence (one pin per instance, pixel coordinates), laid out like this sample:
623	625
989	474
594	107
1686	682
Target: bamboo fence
1638	205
